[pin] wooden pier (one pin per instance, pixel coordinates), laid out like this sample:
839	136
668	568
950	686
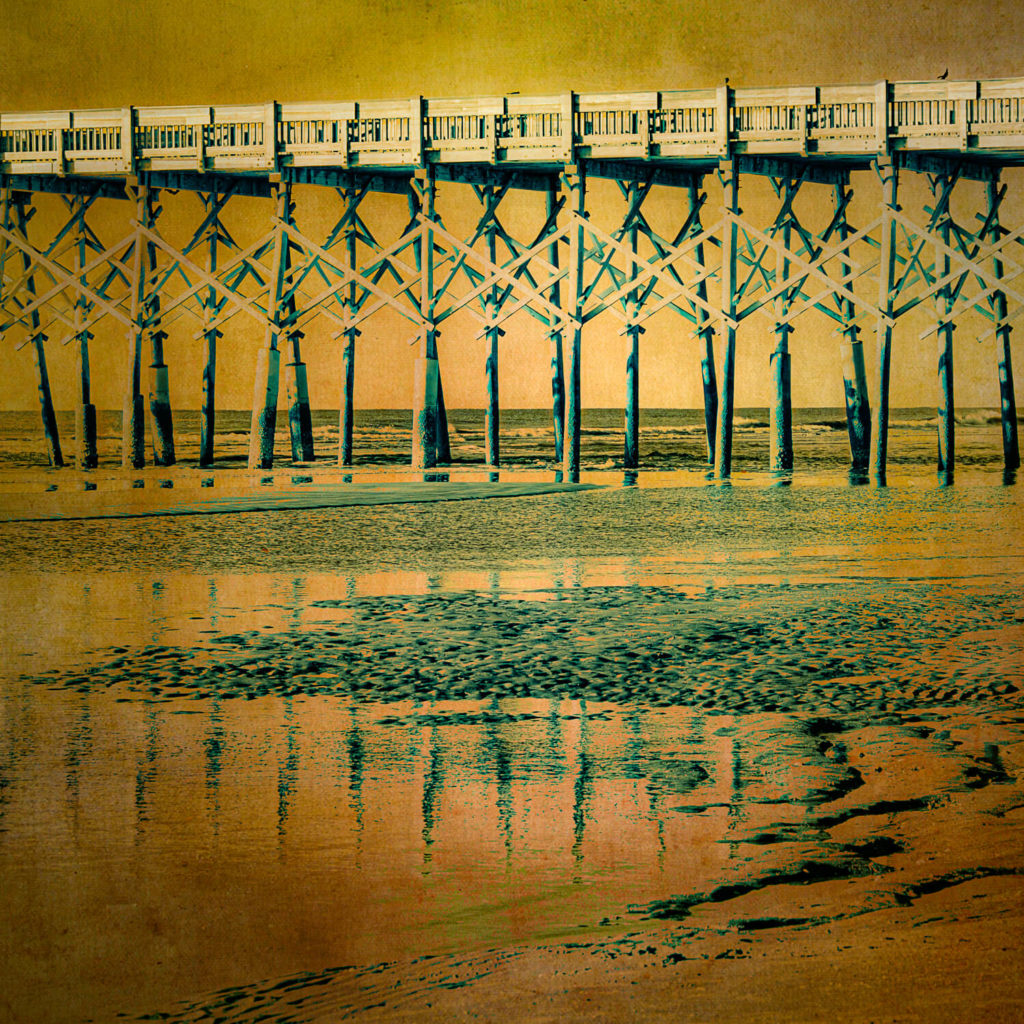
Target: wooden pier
715	271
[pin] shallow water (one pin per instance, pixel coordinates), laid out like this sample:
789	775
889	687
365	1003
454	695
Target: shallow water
240	752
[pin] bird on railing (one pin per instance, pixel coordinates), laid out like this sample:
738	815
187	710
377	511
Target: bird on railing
944	75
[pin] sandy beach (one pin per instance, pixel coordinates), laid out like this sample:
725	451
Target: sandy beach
337	750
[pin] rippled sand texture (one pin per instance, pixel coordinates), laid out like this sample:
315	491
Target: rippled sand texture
697	754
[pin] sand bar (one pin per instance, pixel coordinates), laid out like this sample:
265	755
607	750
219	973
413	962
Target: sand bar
129	504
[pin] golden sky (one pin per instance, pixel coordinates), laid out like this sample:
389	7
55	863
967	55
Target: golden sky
89	54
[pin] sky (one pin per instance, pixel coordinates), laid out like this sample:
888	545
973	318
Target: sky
90	54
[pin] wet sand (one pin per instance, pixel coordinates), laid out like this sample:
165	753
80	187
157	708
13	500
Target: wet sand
668	753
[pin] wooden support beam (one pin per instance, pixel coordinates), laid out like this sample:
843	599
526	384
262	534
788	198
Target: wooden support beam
17	215
1007	398
855	386
704	330
555	333
573	181
941	187
780	426
888	177
729	175
944	166
773	167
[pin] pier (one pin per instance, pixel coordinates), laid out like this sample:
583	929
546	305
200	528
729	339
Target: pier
715	270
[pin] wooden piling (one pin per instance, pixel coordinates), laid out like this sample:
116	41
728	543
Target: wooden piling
442	442
263	425
300	419
704	331
208	415
425	387
855	387
631	445
887	173
346	415
492	413
946	327
17	204
729	174
574	182
780	425
1007	399
160	416
85	411
133	419
555	337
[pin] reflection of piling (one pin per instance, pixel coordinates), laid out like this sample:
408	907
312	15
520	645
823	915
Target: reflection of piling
582	790
433	786
287	770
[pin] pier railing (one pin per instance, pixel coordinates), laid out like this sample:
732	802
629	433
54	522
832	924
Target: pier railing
834	122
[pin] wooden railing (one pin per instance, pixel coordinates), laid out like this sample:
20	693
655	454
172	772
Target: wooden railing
700	125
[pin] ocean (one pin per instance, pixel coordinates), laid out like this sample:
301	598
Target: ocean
499	755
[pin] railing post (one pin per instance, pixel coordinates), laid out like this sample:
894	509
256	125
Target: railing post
855	386
574	182
729	174
941	188
704	331
886	170
1007	399
424	412
781	414
19	201
555	335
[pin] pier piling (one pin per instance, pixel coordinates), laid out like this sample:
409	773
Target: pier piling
574	184
887	173
729	174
